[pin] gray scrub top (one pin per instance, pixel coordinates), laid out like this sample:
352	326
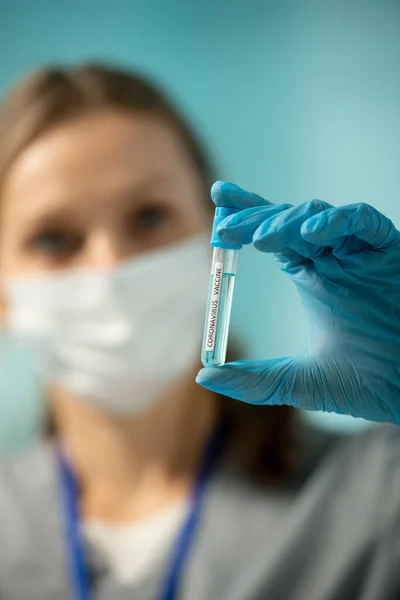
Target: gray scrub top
332	534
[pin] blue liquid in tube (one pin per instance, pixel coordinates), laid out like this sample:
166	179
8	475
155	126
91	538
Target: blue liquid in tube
219	305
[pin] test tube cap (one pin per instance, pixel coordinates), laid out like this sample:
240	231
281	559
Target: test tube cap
221	212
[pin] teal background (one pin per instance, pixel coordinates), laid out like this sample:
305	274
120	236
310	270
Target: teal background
298	100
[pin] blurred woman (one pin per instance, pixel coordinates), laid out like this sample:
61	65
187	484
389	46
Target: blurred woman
150	486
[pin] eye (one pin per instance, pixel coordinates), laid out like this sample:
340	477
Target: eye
54	243
151	218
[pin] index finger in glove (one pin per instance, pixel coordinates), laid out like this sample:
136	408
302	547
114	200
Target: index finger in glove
226	194
240	227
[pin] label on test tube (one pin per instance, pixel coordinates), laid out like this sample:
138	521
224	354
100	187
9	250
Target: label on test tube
215	298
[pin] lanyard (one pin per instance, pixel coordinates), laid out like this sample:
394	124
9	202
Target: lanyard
76	548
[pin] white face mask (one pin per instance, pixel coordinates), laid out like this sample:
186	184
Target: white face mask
116	338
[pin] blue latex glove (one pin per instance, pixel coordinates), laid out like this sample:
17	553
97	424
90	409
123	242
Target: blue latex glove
345	263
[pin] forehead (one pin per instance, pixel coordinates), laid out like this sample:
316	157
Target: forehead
101	152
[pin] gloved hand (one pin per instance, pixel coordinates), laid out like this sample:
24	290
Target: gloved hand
345	263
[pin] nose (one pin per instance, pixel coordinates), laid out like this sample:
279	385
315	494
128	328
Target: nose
106	249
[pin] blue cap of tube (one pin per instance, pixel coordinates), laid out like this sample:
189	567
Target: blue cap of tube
221	212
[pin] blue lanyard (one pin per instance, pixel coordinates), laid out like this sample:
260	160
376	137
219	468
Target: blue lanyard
77	554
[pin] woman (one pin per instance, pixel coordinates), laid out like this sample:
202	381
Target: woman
150	486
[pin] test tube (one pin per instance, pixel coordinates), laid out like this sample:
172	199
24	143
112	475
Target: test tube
220	295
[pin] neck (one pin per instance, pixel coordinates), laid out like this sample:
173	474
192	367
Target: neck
130	467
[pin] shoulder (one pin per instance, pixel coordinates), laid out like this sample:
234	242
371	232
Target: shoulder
29	498
26	475
357	474
372	460
341	513
31	528
376	450
360	474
